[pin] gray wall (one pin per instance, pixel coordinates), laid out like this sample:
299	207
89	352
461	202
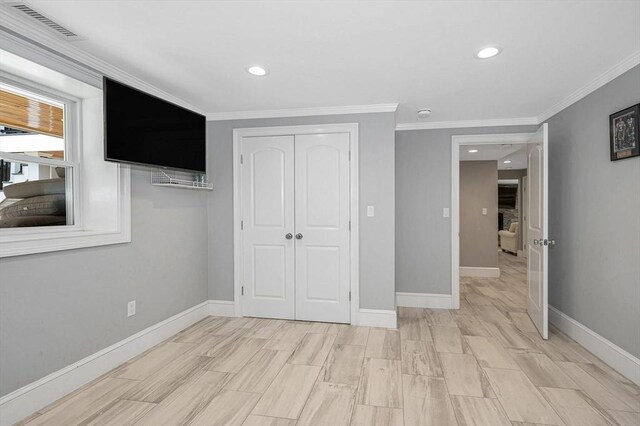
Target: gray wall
57	308
377	187
594	216
423	188
511	174
478	232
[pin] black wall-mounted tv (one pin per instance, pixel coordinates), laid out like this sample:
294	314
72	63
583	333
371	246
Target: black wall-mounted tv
142	129
507	195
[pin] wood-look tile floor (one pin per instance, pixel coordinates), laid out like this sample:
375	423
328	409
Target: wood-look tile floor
483	364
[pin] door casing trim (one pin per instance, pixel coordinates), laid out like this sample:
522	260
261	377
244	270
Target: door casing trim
354	235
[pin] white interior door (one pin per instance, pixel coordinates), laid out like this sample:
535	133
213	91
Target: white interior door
537	232
268	216
322	227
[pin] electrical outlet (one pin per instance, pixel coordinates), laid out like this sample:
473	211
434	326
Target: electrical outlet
484	211
131	308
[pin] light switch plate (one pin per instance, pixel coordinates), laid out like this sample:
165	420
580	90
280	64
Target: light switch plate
445	212
370	211
484	211
131	308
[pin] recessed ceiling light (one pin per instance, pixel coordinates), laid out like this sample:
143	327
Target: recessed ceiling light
257	70
488	52
473	151
507	161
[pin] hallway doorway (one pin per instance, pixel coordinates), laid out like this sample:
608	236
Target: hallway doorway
474	223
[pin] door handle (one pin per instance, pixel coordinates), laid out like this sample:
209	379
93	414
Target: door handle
289	236
299	236
544	242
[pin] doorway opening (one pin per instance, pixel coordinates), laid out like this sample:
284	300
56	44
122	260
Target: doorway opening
499	225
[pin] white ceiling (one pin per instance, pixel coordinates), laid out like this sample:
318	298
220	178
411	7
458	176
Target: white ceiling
516	153
337	53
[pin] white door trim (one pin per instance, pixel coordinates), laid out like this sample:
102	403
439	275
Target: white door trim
456	142
352	129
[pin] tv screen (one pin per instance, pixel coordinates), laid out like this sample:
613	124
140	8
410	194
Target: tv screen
507	195
143	129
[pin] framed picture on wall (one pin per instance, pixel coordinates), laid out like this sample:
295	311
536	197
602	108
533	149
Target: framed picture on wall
624	135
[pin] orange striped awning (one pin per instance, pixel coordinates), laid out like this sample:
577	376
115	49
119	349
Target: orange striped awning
20	112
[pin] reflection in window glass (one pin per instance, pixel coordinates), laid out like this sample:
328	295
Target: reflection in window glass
34	194
30	124
30	143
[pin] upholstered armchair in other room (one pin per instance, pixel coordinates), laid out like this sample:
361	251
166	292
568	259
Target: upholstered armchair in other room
509	239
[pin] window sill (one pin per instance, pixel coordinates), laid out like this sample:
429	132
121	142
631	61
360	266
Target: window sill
66	241
68	238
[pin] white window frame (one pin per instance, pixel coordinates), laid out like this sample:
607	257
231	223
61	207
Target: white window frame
72	152
88	229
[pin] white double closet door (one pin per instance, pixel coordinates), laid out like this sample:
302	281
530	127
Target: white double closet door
295	210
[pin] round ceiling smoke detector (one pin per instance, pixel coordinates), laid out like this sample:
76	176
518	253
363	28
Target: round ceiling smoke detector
424	113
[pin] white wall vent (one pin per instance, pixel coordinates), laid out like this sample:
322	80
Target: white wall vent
63	32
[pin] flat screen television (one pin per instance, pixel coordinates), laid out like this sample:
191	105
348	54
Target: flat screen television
507	195
142	129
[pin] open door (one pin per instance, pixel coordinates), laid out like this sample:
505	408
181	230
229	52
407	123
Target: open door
537	230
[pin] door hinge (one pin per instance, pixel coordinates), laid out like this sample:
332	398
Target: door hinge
242	290
349	296
241	159
242	225
349	225
349	155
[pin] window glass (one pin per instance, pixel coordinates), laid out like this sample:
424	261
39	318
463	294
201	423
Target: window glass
31	124
36	192
30	143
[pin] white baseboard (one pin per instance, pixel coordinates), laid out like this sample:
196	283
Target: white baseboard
469	271
36	395
424	300
222	308
377	318
621	360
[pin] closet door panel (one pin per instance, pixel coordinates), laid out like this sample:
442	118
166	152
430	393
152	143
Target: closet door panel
322	227
268	216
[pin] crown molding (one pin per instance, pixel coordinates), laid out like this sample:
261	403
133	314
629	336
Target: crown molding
19	27
22	28
302	112
523	121
612	73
